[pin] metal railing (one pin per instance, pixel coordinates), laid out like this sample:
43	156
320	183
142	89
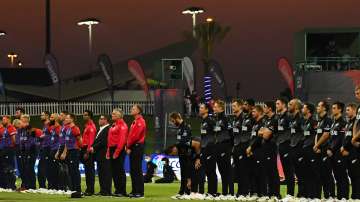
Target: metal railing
328	64
78	108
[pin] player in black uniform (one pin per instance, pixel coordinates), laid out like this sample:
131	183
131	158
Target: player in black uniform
223	147
349	151
283	142
208	157
242	124
258	171
321	145
311	158
183	146
296	143
238	152
269	134
339	166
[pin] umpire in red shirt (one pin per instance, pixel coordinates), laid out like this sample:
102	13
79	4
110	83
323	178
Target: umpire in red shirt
135	148
116	151
86	157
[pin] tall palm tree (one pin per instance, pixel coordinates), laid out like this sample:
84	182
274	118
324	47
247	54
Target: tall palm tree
207	35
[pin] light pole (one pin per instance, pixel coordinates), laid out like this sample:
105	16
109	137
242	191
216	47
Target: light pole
12	56
89	22
193	11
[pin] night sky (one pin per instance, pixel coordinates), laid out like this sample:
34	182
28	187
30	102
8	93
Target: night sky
262	31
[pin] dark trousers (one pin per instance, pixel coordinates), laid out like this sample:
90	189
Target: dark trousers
43	167
259	173
7	168
242	169
53	174
339	165
208	160
271	171
354	173
64	178
21	162
223	161
103	166
72	161
164	181
297	156
327	179
136	173
185	172
30	176
118	171
288	167
312	177
89	170
197	179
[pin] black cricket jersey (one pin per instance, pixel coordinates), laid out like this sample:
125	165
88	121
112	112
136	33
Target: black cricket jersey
337	134
283	129
207	132
222	128
309	129
297	135
184	139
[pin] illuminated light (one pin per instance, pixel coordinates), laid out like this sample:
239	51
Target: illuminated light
209	20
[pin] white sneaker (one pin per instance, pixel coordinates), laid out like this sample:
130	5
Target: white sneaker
230	197
263	199
252	198
185	197
176	197
199	196
209	197
240	198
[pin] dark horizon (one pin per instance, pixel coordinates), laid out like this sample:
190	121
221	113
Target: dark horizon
261	32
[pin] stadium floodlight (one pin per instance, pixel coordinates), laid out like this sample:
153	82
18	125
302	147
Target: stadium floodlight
2	33
193	11
12	57
90	22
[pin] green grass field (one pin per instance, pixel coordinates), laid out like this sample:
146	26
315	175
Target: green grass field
153	192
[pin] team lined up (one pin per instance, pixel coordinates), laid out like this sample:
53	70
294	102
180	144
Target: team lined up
61	146
317	145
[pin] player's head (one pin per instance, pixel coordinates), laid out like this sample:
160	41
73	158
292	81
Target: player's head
136	109
62	115
280	104
203	109
175	118
219	106
308	109
6	120
88	115
337	108
69	119
17	123
351	110
54	118
294	105
357	92
117	114
257	112
19	111
103	120
248	105
25	120
236	106
45	115
322	107
269	107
